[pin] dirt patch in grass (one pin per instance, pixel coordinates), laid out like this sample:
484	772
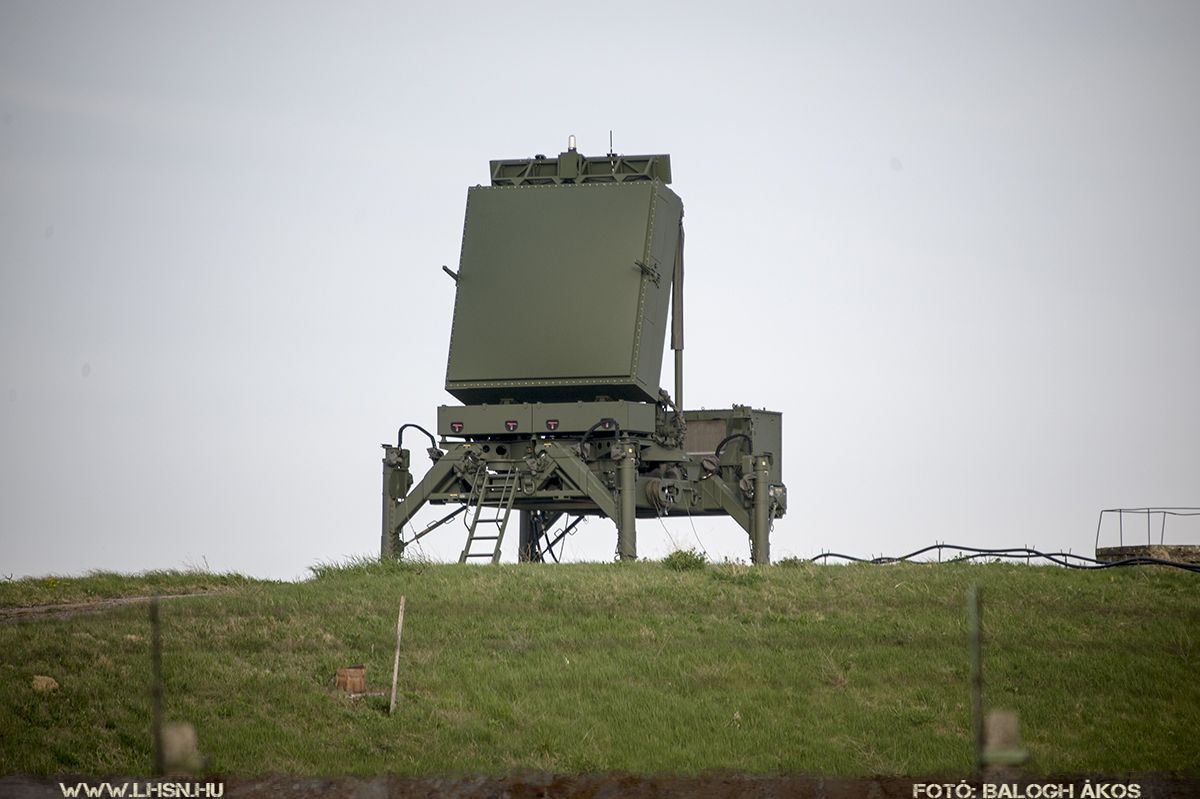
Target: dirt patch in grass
72	609
53	589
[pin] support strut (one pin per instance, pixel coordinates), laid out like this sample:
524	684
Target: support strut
627	477
760	533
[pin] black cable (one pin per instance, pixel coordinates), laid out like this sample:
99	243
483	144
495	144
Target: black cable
1060	558
607	422
400	435
731	437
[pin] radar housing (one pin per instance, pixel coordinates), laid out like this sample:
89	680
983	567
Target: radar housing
569	280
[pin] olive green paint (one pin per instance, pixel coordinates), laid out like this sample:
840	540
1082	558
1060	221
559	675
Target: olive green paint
569	269
563	292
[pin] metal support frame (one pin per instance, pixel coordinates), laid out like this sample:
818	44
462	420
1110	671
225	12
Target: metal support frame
535	535
760	538
399	507
677	320
527	536
451	479
572	167
626	456
552	478
553	542
1149	513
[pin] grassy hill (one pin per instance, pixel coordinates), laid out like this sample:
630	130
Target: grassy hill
847	670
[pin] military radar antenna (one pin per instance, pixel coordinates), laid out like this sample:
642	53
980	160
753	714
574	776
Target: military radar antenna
567	270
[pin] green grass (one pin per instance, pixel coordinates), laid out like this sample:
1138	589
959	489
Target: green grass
846	670
54	589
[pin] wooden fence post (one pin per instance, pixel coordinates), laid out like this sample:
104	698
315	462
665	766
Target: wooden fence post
396	663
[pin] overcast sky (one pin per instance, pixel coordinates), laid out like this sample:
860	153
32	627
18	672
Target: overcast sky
957	245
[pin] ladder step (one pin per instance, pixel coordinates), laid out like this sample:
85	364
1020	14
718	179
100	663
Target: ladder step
497	493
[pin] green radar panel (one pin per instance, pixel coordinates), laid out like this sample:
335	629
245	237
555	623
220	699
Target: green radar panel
564	281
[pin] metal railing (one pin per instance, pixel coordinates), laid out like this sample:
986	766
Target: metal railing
1150	514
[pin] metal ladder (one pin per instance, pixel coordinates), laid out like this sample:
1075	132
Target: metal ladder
502	488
